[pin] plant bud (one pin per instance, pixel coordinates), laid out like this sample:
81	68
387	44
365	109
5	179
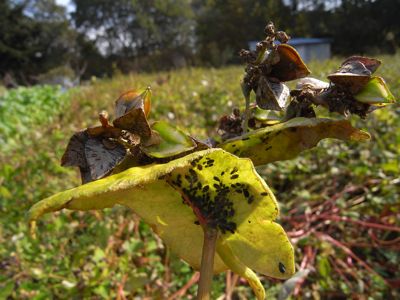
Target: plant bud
259	46
269	29
282	37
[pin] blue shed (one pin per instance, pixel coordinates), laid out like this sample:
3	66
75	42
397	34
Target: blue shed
308	48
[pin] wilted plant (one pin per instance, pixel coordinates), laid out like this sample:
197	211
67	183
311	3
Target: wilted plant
204	198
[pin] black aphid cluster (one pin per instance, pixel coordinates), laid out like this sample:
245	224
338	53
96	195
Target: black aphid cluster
212	199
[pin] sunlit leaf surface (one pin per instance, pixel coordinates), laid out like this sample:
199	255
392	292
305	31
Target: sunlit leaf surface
267	117
172	141
287	140
207	187
375	92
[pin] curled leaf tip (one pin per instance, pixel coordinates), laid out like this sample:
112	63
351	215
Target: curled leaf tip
241	269
376	93
360	135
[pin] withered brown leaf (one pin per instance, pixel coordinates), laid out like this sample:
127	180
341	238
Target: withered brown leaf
95	156
101	158
134	121
290	65
272	95
133	99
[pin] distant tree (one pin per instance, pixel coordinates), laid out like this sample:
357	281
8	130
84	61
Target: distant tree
311	18
368	26
132	28
356	26
34	37
226	26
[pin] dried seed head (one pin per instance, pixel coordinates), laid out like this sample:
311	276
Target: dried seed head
282	37
269	29
259	46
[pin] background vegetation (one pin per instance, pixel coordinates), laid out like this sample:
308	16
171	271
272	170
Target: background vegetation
334	199
111	254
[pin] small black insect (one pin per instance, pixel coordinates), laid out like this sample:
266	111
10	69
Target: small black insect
282	268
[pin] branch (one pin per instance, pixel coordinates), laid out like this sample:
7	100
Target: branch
207	263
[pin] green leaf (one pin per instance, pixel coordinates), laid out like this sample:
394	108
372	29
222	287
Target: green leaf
155	193
287	140
375	92
172	141
6	290
268	117
324	267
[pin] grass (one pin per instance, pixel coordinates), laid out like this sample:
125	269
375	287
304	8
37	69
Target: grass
103	255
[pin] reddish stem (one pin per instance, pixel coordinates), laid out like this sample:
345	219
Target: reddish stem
188	285
363	223
348	251
339	271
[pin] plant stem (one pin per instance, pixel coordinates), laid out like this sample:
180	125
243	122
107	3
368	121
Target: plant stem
207	263
246	115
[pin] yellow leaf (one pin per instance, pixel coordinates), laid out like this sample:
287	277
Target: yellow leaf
210	187
287	140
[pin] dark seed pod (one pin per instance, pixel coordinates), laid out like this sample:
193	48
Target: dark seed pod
270	29
282	37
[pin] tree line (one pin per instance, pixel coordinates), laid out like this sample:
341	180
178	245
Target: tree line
97	37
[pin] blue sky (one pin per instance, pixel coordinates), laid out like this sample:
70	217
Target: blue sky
67	3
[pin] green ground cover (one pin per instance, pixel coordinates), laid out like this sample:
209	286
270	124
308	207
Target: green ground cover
103	255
